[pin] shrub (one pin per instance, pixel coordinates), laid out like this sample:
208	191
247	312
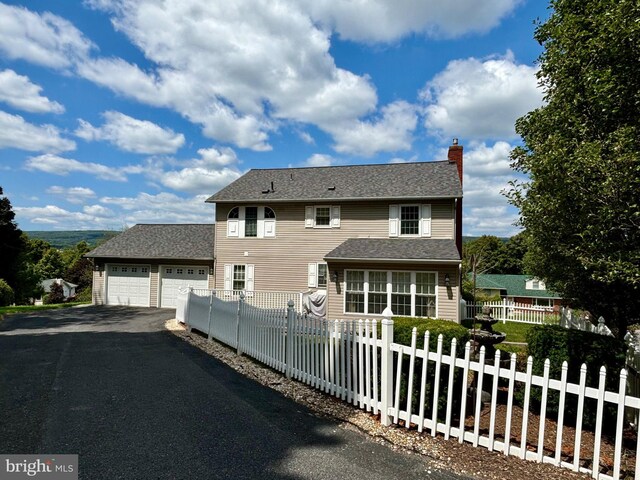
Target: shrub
84	295
576	347
55	295
403	327
6	294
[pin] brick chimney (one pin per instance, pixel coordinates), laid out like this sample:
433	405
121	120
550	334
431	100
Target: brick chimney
455	156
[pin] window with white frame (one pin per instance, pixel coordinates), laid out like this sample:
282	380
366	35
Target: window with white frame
401	293
377	292
239	277
322	216
410	220
251	222
542	302
425	294
370	292
354	295
318	275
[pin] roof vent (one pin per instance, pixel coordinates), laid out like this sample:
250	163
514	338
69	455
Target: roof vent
331	188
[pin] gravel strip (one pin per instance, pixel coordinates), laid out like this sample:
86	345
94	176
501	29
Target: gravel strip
450	455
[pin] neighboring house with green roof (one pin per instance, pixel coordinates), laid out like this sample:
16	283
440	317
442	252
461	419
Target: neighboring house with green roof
522	289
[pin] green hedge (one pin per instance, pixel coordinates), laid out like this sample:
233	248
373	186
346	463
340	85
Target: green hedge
403	326
402	329
6	294
576	347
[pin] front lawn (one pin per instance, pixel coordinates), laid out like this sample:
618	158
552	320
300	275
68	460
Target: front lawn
35	308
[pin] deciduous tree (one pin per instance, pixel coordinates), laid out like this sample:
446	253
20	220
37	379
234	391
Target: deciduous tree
581	152
11	243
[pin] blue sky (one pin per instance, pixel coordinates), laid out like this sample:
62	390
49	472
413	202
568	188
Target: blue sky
117	112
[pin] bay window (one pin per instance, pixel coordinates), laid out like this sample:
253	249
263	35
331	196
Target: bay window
370	292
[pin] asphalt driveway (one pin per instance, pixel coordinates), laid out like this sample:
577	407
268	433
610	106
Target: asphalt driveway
135	402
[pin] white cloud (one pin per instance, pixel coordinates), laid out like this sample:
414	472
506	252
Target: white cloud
64	166
18	92
214	157
114	212
479	99
72	194
389	20
270	63
198	179
319	160
16	132
391	132
486	176
43	39
132	135
162	208
61	218
483	160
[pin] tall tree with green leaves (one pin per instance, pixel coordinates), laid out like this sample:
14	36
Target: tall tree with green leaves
11	242
581	152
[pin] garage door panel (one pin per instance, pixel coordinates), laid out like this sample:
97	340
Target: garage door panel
173	278
128	285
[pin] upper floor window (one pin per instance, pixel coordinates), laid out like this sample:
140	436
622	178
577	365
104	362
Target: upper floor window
251	222
410	220
322	216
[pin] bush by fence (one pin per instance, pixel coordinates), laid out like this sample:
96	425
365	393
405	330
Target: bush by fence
576	347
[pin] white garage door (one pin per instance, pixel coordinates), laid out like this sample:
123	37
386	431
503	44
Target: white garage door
128	285
174	277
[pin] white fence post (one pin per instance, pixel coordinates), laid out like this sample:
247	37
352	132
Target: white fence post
186	315
289	337
210	315
386	374
238	316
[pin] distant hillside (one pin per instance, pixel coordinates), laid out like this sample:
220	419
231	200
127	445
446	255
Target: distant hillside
69	238
466	239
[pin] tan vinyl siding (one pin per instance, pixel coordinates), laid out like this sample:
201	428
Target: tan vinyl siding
97	292
447	298
154	280
442	222
281	262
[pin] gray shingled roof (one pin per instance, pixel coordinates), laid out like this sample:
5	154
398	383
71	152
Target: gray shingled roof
398	180
404	249
180	242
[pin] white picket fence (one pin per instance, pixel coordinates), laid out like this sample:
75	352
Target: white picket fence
507	311
358	362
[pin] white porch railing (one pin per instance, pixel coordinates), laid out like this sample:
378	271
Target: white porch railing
358	362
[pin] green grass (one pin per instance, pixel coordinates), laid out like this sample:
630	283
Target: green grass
36	308
516	331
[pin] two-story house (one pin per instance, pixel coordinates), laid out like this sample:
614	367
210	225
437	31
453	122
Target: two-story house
366	236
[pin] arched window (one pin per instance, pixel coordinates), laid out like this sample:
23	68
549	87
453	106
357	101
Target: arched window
251	221
234	213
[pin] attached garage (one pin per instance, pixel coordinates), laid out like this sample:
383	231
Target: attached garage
173	278
146	265
128	285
